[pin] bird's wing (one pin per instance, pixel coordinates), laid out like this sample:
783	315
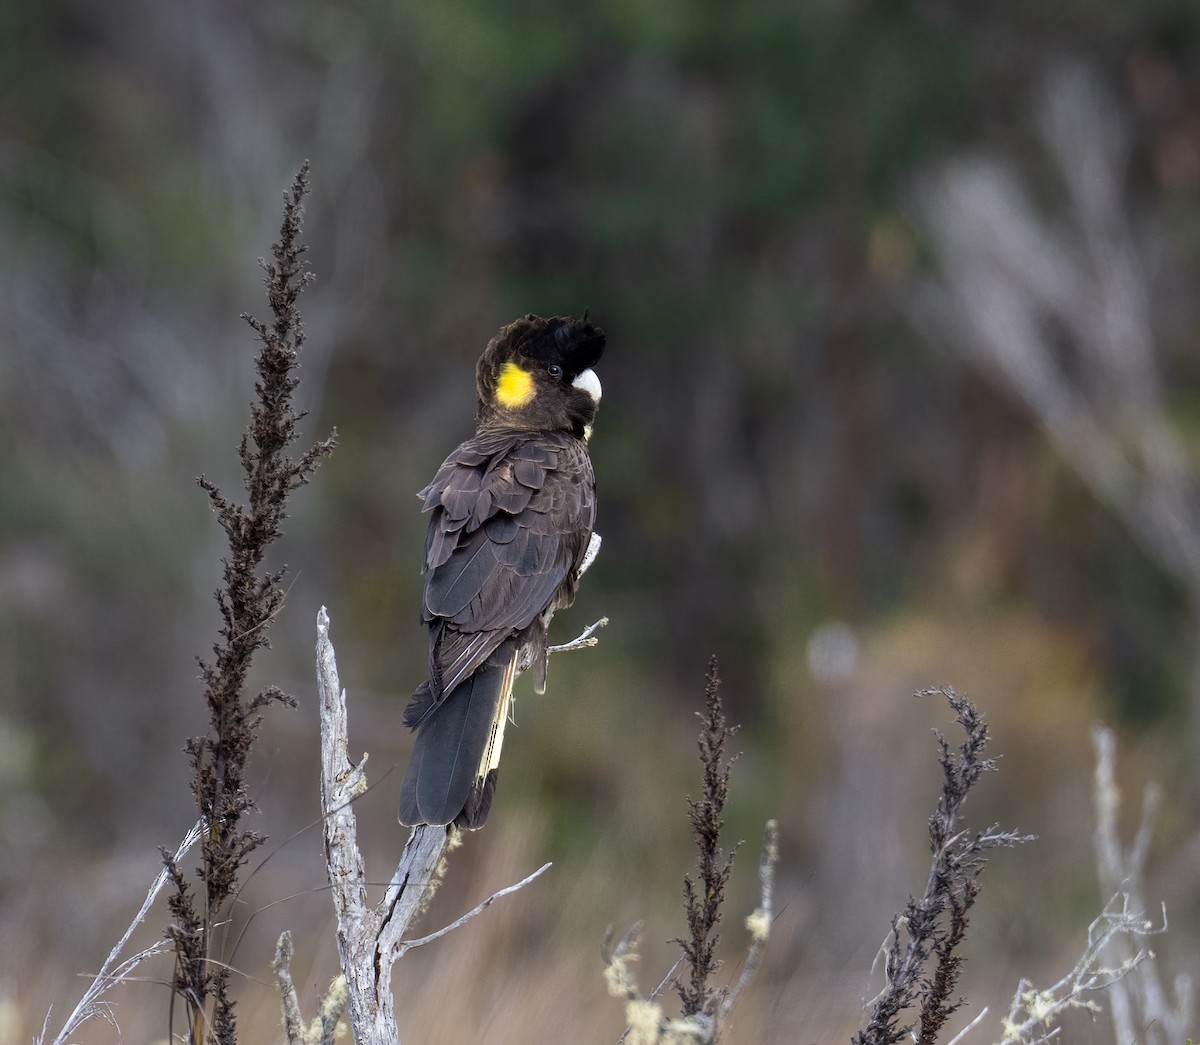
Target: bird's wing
507	533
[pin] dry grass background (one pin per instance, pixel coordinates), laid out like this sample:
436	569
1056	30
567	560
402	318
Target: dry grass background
529	969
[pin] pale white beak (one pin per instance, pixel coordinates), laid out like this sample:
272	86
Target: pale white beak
589	383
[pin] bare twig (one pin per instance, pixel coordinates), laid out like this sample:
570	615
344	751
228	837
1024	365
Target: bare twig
113	971
1034	1012
584	640
408	945
665	981
293	1021
969	1027
323	1029
646	1024
1137	1001
1114	963
759	921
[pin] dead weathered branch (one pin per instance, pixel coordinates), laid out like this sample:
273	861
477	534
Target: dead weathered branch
366	959
372	938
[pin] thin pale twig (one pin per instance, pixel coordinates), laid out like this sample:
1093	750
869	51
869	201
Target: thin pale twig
760	919
969	1027
407	945
669	978
664	981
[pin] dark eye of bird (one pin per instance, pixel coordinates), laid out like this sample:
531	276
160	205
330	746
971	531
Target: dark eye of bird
554	370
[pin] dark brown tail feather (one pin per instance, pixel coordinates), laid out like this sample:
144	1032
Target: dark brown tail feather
444	783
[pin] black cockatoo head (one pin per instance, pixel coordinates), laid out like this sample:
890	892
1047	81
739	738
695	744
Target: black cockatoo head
537	373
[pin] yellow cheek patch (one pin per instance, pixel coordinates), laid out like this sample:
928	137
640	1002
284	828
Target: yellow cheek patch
515	387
